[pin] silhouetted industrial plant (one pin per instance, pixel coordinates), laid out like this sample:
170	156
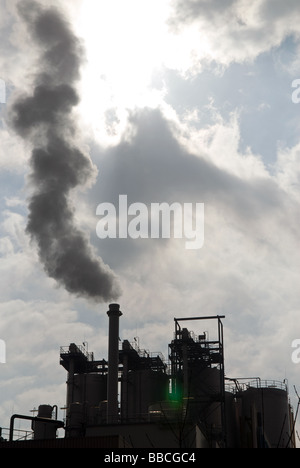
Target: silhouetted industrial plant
137	399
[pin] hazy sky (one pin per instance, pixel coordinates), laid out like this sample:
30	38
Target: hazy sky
185	101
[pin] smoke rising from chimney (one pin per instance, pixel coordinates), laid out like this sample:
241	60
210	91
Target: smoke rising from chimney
45	120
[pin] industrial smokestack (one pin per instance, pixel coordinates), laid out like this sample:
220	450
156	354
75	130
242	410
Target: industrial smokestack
113	363
45	119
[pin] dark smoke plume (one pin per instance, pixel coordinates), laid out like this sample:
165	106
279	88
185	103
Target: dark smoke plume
45	120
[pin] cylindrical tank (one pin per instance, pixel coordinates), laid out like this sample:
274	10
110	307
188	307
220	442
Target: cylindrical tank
42	429
103	412
265	418
204	397
75	421
90	388
45	411
145	387
88	391
231	420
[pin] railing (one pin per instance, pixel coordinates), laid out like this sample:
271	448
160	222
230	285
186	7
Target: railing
19	434
143	353
268	384
72	348
236	385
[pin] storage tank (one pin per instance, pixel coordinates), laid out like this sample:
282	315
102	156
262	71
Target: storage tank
42	429
88	391
265	417
232	420
90	388
75	426
203	399
145	387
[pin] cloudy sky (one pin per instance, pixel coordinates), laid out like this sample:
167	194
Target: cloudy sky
188	101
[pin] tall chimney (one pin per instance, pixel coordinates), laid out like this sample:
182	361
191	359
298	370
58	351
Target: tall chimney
113	363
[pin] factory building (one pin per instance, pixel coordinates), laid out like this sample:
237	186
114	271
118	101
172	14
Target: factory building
137	399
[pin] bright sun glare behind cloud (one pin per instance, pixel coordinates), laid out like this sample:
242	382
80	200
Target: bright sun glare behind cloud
125	47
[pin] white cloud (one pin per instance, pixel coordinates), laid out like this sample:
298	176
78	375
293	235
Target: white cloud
219	142
33	331
288	172
250	225
13	157
234	30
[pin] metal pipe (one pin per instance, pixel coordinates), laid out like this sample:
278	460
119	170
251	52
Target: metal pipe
208	317
31	418
113	363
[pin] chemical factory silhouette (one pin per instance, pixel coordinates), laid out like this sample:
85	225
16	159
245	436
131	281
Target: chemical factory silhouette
136	399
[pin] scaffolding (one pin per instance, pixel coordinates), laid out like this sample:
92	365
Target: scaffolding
198	377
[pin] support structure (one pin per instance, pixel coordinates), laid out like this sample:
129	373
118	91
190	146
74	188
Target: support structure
198	379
